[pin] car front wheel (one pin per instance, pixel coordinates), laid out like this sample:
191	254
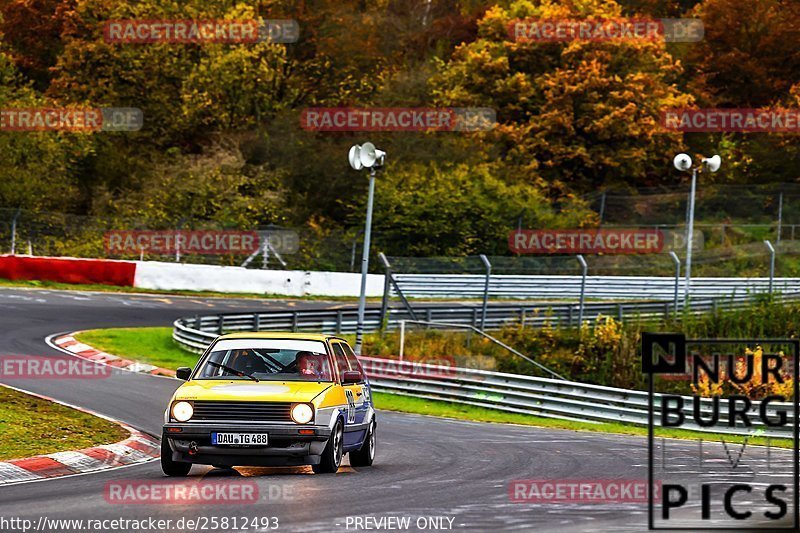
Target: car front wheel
332	454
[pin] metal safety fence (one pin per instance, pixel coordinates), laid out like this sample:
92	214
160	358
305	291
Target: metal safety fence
551	398
562	287
546	397
197	332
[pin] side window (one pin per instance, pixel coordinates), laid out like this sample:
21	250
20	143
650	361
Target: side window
355	364
341	359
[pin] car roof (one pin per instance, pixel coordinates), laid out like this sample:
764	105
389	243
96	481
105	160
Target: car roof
278	335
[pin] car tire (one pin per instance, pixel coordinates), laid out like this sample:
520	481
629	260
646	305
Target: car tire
333	452
170	467
366	455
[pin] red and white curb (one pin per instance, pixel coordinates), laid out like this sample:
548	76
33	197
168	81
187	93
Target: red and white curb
136	449
69	344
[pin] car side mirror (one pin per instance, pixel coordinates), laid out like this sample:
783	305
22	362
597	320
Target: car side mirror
351	376
184	373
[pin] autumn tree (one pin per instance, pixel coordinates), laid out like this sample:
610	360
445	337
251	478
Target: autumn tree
580	113
750	54
40	169
32	32
429	210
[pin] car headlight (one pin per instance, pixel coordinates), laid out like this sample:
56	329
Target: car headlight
302	413
182	411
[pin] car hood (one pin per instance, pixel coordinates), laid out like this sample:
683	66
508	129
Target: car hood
250	391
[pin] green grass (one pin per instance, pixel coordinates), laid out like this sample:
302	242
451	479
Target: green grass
155	346
147	345
32	426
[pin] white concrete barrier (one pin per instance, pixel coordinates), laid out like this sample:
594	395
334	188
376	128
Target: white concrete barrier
189	277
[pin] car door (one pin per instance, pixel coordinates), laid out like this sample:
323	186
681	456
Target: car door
355	427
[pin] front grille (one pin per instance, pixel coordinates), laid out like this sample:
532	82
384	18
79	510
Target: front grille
247	411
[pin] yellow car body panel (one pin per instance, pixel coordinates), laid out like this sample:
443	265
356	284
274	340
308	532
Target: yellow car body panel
264	391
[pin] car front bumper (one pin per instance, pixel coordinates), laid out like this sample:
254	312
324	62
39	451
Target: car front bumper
191	443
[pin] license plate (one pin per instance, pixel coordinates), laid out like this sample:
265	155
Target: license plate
239	439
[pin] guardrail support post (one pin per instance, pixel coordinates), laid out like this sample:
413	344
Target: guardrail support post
402	337
256	322
295	318
488	267
677	262
387	285
398	290
338	322
585	268
771	263
221	324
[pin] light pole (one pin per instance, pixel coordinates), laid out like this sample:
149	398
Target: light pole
683	163
360	157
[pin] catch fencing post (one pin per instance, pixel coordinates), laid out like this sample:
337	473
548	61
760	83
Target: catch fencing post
14	232
677	262
771	263
488	266
265	253
585	268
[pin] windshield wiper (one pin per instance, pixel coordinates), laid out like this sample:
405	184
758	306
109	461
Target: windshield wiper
233	371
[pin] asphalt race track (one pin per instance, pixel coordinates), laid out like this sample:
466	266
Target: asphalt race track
425	467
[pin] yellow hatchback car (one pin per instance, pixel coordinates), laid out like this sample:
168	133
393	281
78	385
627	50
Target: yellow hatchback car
270	399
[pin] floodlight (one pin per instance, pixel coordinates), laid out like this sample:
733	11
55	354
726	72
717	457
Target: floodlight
682	162
354	157
712	163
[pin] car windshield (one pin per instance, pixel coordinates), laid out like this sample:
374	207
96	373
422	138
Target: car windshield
267	359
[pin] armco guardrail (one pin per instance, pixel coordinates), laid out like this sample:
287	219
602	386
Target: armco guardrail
606	287
197	332
544	397
507	392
